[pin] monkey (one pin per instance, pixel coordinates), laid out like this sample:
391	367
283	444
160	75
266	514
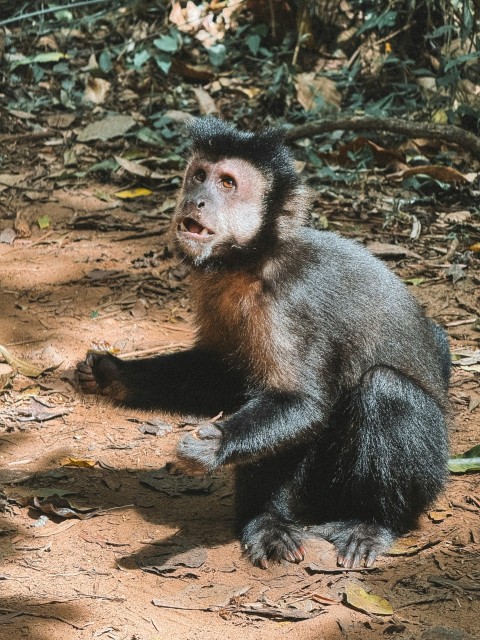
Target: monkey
332	381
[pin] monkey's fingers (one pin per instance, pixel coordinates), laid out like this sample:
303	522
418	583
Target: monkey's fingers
208	431
85	378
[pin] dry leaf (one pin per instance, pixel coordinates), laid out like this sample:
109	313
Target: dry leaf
133	193
458	216
23	367
138	169
96	90
205	101
439	515
368	602
437	172
6	374
76	462
106	129
314	91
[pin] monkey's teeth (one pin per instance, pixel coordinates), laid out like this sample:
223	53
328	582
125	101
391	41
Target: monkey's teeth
192	226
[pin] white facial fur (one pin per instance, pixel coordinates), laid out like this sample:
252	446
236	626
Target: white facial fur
226	198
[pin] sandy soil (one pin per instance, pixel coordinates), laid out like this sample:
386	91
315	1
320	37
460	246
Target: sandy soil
147	555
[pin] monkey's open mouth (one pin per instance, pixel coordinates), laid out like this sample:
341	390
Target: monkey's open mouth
191	226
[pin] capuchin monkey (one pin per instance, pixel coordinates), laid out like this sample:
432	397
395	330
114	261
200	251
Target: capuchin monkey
333	381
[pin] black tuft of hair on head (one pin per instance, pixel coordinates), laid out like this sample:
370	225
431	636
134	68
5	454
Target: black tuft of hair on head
215	139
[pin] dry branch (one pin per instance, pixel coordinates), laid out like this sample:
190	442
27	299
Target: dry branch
448	133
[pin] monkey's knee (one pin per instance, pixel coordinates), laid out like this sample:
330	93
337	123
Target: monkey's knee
399	451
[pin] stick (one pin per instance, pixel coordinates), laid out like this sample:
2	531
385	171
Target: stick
430	130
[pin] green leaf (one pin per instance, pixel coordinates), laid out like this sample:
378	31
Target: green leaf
105	61
43	222
467	461
168	43
140	58
50	56
463	465
217	54
474	452
253	43
164	63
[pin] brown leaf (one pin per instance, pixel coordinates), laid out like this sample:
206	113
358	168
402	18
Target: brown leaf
437	172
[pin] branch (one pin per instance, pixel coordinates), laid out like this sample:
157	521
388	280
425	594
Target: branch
45	10
447	133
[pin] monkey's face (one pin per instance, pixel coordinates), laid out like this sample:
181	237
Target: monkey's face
220	207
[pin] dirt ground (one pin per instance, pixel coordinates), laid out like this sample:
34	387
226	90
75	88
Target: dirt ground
146	555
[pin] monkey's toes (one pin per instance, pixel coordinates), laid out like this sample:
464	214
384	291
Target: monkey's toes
267	537
358	543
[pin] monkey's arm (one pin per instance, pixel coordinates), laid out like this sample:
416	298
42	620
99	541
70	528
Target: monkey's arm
265	424
188	382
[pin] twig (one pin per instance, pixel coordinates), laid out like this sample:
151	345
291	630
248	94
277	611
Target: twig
30	135
42	12
430	130
277	613
159	349
11	613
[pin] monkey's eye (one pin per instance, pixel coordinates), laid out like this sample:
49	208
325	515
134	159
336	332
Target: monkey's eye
199	176
228	182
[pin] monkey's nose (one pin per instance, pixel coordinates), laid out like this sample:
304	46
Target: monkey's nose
200	204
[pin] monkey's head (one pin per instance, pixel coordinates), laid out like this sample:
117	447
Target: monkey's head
240	198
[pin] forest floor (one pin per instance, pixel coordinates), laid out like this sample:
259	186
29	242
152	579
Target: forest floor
142	554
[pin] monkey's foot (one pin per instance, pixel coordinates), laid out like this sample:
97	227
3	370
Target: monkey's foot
358	543
100	373
268	537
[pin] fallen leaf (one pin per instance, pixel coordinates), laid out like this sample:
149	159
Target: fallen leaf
106	129
360	599
43	222
96	90
314	91
458	216
76	462
383	250
439	515
6	374
155	427
133	193
437	172
205	101
467	461
58	506
138	169
192	559
21	366
7	236
409	546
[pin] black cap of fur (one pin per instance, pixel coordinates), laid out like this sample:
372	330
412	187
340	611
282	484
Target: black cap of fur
215	139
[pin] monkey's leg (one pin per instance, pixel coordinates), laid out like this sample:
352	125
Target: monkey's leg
264	505
390	464
189	382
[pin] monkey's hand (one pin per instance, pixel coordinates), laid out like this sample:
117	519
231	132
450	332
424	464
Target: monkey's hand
101	373
197	451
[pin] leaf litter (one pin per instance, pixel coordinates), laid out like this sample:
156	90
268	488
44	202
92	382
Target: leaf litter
430	238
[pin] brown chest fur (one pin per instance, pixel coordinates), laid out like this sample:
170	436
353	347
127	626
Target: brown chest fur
236	317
